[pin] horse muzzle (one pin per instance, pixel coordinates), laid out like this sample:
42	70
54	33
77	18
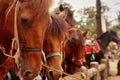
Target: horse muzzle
54	75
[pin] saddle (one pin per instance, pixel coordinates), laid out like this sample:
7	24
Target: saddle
92	46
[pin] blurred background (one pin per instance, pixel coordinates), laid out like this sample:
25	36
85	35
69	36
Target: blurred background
96	16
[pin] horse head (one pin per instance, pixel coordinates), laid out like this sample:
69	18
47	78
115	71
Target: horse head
74	50
26	21
54	37
70	15
114	37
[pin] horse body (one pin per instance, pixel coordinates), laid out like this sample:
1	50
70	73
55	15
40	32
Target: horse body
103	41
31	21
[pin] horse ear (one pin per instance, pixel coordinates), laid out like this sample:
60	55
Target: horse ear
85	33
61	7
73	11
63	14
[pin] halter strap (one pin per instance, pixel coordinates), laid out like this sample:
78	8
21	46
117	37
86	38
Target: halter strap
31	49
79	60
53	54
9	76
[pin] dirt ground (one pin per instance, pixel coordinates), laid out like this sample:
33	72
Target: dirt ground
113	67
113	70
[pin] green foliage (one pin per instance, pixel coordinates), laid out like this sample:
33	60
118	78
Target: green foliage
64	4
117	29
87	21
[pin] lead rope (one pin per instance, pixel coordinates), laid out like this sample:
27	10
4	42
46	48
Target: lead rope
13	41
16	38
4	51
48	67
10	7
45	65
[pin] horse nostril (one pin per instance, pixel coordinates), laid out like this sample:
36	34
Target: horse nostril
51	73
28	74
73	38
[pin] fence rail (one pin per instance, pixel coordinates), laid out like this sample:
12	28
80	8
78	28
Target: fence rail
96	72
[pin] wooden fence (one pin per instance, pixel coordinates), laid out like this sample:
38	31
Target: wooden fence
96	72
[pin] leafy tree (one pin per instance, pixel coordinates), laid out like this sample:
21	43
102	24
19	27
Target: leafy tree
87	21
63	4
98	17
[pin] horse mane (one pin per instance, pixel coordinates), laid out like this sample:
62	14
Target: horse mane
70	19
107	33
70	15
4	4
57	28
113	32
81	39
103	35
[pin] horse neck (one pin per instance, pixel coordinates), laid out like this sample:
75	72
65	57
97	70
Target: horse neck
5	39
3	7
104	42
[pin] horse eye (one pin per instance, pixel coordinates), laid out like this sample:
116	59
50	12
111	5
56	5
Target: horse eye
25	21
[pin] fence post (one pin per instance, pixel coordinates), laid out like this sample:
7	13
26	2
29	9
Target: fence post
95	65
104	73
118	68
108	67
84	70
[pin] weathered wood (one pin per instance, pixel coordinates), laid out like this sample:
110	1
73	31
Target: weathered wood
96	66
103	69
118	68
96	72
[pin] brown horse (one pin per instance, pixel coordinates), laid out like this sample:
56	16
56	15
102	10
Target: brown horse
54	36
102	41
24	21
74	50
70	15
74	39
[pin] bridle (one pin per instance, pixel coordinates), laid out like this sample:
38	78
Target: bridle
16	43
56	53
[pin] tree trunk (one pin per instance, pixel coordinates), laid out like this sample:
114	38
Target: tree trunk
119	18
98	17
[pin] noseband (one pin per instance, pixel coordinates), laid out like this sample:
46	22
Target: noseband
53	54
28	49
